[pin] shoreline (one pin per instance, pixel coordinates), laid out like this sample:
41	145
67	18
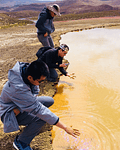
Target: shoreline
114	17
21	44
84	24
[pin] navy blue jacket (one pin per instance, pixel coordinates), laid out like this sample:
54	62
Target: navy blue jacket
45	22
51	58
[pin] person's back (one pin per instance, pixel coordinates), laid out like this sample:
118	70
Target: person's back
51	57
14	84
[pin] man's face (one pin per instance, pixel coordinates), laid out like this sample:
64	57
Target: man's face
37	81
62	53
52	14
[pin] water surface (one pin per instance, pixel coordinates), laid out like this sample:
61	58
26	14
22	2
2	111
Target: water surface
91	102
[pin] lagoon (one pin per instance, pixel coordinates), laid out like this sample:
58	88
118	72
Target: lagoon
91	101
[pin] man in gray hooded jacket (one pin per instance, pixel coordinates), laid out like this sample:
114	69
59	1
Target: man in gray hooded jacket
20	105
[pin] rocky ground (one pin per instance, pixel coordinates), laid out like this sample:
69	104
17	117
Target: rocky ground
21	44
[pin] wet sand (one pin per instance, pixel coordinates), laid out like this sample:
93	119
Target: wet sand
21	44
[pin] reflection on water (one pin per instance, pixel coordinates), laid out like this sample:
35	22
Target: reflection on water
62	104
91	102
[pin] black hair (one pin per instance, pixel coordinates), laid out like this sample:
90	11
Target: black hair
58	48
64	45
37	68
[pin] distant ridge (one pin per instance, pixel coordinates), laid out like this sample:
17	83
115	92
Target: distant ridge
66	6
12	3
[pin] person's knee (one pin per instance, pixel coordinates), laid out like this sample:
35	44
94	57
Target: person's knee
55	77
46	100
52	78
51	101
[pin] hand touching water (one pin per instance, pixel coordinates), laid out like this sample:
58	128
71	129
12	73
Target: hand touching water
71	75
73	132
69	130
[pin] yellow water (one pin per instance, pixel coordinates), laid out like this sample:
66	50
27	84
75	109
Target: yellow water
91	102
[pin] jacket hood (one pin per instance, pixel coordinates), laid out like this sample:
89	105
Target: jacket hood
46	10
14	74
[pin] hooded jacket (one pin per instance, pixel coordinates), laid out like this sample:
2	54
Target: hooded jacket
17	94
45	22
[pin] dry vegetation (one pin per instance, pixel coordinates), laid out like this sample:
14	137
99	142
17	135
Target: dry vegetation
88	15
21	44
13	18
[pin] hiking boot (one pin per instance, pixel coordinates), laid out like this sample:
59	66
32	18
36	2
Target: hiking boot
19	145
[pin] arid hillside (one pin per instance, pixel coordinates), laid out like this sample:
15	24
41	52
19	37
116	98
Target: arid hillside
67	6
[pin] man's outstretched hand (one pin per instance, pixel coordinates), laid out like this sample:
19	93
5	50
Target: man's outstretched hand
69	130
71	75
73	132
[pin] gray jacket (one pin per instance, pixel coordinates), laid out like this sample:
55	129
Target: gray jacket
17	94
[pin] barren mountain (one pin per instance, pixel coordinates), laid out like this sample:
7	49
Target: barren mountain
80	6
69	6
11	3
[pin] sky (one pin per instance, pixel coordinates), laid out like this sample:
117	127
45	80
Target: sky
48	0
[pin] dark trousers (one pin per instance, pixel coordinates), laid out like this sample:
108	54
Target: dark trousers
46	41
33	124
53	75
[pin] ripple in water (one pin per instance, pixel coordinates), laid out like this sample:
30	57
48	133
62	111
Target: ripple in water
94	135
91	103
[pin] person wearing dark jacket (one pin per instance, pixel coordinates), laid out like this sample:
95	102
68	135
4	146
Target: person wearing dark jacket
53	58
20	105
45	24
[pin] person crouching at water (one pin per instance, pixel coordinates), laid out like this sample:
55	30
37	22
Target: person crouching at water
20	105
45	24
53	58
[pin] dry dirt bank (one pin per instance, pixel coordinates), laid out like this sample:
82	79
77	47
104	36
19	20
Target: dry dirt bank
21	44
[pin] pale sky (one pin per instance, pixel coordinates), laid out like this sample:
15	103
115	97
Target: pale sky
48	0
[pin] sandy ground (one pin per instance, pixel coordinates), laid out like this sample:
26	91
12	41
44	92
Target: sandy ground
21	44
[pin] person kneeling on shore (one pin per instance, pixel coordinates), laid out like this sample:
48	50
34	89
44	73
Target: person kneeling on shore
20	105
53	58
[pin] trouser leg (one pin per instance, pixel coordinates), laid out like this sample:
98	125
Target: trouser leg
46	41
51	41
46	100
53	75
33	124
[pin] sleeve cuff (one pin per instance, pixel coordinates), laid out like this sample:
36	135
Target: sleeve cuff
56	122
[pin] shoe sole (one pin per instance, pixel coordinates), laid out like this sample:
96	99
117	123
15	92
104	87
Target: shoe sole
15	146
